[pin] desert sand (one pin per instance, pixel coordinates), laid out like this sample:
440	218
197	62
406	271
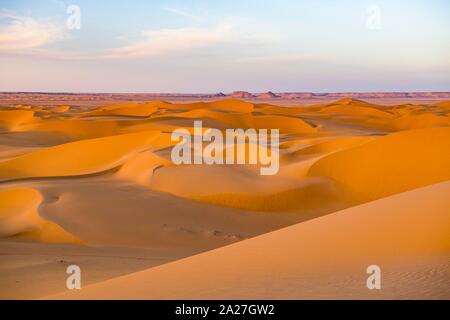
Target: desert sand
360	183
405	234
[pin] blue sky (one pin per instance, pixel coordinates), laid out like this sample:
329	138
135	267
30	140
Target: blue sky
212	46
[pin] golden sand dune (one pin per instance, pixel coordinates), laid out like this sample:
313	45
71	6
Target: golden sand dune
233	105
418	121
223	120
59	109
276	110
284	124
129	215
349	104
11	119
146	109
104	174
140	167
75	129
19	218
391	118
244	188
391	164
405	235
331	145
81	157
132	106
357	111
443	104
352	102
220	120
128	109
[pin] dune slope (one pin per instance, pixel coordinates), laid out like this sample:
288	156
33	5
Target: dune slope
391	164
102	172
80	157
19	218
407	235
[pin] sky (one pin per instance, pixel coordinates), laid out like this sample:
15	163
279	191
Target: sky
208	46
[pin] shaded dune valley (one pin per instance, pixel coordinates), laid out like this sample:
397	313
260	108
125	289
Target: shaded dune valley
358	184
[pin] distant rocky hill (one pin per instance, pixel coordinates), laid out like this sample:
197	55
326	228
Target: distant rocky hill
268	95
242	95
10	97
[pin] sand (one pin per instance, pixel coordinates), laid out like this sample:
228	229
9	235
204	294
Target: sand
359	183
406	235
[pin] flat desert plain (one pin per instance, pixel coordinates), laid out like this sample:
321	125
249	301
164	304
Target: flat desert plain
360	183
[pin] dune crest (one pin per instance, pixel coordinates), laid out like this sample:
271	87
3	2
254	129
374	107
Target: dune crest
12	119
19	218
81	157
391	164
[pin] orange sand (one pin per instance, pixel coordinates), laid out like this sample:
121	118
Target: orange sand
322	258
359	183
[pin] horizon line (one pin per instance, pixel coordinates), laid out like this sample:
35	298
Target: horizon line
218	92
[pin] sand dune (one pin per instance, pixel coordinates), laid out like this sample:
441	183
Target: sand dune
80	157
406	234
390	164
418	121
19	218
391	118
11	119
100	177
443	104
218	120
128	109
284	124
356	110
59	109
332	145
130	215
244	188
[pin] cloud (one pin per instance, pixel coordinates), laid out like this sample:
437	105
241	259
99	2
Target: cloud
174	41
21	33
182	13
26	36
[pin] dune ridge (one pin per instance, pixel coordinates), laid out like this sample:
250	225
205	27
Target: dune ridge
359	182
390	164
12	119
80	157
415	226
19	217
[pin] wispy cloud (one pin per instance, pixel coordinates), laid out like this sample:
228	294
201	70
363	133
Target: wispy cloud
182	13
25	36
22	33
173	41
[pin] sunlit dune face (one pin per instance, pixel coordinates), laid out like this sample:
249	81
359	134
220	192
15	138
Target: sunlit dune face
105	176
335	152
